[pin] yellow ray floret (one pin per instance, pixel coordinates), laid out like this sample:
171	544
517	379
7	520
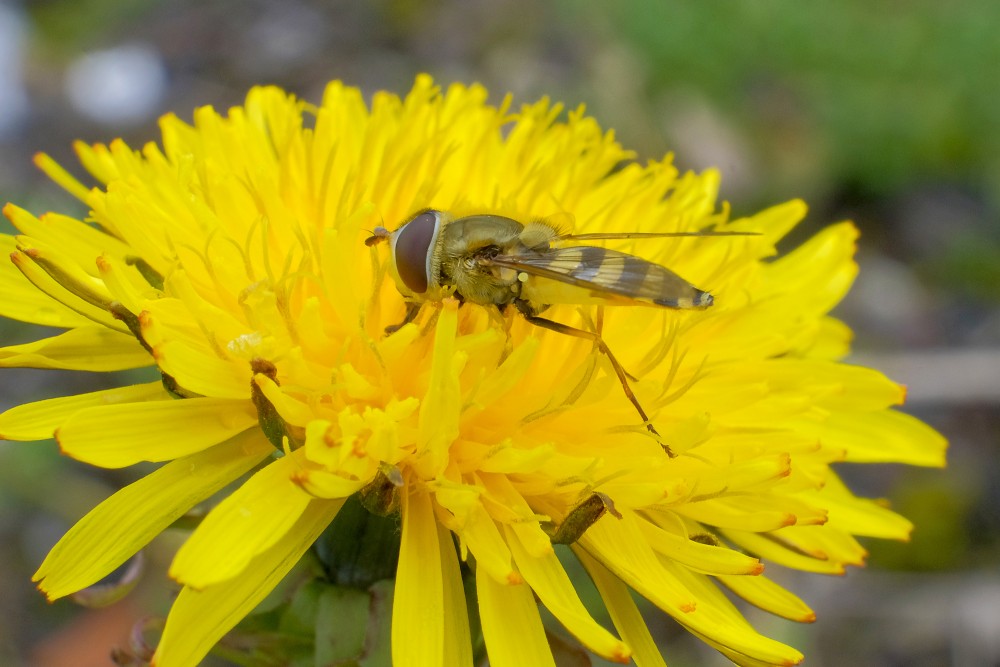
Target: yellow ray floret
124	523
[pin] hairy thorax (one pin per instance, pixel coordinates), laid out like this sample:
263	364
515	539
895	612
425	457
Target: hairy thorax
465	243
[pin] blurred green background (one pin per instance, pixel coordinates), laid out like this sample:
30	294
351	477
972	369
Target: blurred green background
887	113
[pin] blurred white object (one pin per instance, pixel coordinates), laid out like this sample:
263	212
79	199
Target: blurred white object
13	97
941	377
124	84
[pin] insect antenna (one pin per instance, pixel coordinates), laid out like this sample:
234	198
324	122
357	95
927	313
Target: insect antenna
604	236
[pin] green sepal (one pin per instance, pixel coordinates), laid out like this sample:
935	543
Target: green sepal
113	587
322	624
359	547
131	320
149	274
341	625
271	423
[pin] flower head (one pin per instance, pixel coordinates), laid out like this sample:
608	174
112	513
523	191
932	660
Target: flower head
231	257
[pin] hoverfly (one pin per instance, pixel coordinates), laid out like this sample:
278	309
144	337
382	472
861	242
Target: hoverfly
496	261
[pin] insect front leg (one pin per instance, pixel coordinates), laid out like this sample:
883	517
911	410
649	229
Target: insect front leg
412	308
500	317
551	325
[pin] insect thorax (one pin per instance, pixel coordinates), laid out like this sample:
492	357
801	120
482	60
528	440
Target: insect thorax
467	241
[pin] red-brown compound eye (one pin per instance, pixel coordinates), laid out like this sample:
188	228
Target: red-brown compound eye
413	247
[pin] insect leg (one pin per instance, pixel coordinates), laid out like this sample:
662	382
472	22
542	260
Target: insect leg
412	308
603	347
599	327
500	317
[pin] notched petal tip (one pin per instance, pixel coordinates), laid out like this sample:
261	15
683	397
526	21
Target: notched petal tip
49	596
621	655
41	157
57	436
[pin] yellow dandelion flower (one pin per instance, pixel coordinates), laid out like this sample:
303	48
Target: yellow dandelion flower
232	258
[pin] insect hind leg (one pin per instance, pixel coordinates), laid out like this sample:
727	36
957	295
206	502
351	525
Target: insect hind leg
623	377
599	328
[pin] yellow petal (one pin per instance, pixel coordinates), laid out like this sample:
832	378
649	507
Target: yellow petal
65	282
553	587
884	436
860	516
733	514
726	624
39	420
89	348
96	159
700	557
59	175
478	530
512	627
440	408
291	410
25	302
743	660
198	619
769	596
115	436
167	319
79	240
509	459
619	546
831	341
322	484
418	620
124	523
833	543
203	373
772	549
776	221
457	637
245	524
125	283
822	265
507	376
115	210
225	327
624	612
502	500
835	386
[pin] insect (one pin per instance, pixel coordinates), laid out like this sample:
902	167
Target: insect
496	262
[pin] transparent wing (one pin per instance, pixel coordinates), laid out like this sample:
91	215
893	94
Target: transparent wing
610	272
